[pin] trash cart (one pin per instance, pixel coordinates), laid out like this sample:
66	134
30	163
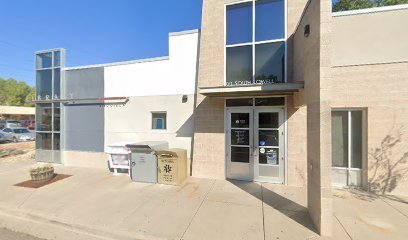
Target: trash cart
172	166
143	160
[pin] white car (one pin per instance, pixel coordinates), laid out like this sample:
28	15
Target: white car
18	134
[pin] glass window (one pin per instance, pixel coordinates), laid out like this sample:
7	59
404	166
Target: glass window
268	120
274	101
56	145
44	117
57	59
239	65
238	102
340	139
240	137
270	63
44	60
44	83
268	156
239	23
269	20
268	138
57	118
240	154
43	141
57	82
159	120
356	139
239	120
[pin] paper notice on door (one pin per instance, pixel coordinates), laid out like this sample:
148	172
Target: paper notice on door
272	157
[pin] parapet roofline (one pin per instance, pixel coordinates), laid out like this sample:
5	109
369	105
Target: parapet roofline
118	63
172	34
370	10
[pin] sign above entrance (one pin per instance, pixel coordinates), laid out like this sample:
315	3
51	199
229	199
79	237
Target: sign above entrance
267	80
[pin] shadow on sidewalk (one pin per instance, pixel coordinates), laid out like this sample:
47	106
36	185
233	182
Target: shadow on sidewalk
287	207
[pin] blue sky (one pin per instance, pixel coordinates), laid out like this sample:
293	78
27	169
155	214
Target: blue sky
92	31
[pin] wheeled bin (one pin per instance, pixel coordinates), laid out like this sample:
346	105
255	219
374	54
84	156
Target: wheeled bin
172	166
143	160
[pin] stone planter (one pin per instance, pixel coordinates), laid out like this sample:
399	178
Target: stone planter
42	173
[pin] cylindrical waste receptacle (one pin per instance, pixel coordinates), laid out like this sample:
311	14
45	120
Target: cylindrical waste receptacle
172	166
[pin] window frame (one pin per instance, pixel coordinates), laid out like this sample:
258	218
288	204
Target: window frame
165	121
364	130
254	42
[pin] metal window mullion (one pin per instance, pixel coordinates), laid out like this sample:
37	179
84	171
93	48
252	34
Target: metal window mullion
253	41
349	147
52	104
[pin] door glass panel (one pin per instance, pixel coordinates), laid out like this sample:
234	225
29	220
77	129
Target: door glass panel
268	156
357	140
340	139
239	137
240	154
239	120
269	120
268	138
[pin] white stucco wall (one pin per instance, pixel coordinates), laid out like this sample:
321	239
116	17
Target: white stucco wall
171	76
156	85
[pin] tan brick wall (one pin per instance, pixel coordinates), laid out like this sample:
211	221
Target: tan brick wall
209	139
311	64
382	90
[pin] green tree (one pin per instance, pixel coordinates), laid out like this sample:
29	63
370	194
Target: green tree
344	5
14	93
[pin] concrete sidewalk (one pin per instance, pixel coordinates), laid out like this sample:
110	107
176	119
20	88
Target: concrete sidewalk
93	204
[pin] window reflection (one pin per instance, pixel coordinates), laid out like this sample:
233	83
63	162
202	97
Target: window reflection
270	62
239	23
239	65
43	117
270	20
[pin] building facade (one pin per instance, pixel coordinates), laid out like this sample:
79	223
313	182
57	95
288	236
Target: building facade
81	110
276	91
291	93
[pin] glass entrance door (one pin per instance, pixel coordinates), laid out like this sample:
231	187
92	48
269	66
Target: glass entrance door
240	144
268	146
255	144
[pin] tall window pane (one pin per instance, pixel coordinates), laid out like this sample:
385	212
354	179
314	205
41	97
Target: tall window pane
57	59
269	20
357	139
44	60
57	82
44	83
340	139
43	117
270	62
239	65
239	23
43	141
56	118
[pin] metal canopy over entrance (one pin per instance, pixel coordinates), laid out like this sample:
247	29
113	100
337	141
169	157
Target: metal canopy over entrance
252	90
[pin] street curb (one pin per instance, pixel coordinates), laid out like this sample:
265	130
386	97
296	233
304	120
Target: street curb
46	228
